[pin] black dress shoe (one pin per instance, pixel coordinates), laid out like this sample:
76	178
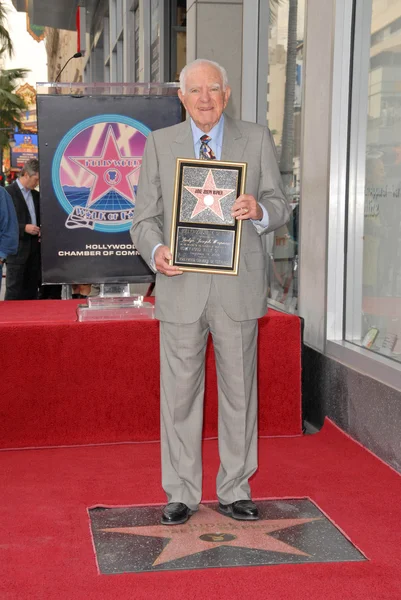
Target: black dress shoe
243	510
175	513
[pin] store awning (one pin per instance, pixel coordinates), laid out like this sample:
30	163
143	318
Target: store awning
60	14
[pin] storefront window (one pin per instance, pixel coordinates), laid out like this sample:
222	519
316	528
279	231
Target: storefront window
284	112
374	275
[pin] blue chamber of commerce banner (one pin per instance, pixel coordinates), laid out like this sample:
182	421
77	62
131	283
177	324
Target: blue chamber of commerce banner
90	152
25	148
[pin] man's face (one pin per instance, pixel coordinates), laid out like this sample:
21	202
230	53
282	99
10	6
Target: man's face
30	182
204	97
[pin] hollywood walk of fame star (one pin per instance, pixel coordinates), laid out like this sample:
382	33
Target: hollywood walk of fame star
209	529
112	171
208	196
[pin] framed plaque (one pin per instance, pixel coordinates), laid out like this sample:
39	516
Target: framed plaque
204	235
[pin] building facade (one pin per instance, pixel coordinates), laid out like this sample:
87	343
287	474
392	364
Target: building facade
325	76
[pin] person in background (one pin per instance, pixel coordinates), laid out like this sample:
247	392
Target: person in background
8	229
189	305
23	267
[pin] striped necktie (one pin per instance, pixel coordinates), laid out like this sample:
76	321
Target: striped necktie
205	151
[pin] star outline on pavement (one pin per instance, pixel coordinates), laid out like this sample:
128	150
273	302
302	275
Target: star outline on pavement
185	540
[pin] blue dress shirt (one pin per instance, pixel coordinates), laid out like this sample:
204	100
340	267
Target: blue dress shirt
29	202
216	135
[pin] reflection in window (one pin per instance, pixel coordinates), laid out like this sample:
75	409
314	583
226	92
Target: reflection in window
178	38
136	43
377	325
285	80
131	31
154	41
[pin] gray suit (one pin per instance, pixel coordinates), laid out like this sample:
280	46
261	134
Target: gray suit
192	304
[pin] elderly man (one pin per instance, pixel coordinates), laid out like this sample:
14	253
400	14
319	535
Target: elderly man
8	229
190	305
23	268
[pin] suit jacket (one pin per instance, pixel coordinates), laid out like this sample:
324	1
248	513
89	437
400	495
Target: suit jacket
181	299
28	243
8	225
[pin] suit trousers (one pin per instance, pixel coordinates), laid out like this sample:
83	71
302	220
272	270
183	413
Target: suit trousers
22	280
182	371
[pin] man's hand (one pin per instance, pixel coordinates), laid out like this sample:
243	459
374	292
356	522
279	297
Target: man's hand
161	258
32	229
246	207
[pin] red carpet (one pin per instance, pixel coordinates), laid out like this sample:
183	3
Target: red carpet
67	383
45	544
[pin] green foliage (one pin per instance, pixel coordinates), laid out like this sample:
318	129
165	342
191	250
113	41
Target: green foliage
11	105
6	45
273	8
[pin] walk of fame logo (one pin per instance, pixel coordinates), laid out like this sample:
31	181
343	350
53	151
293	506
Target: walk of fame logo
95	172
112	177
289	531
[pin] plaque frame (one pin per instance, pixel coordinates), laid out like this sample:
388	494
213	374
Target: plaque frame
214	228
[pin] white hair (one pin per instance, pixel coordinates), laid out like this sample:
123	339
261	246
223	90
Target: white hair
196	63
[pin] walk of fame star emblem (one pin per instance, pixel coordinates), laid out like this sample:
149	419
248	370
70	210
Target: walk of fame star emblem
95	172
205	237
111	170
209	196
289	531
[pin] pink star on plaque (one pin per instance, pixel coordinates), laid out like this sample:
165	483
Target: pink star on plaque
208	196
209	529
112	171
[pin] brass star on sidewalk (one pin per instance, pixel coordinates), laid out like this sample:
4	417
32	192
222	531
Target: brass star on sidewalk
208	529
